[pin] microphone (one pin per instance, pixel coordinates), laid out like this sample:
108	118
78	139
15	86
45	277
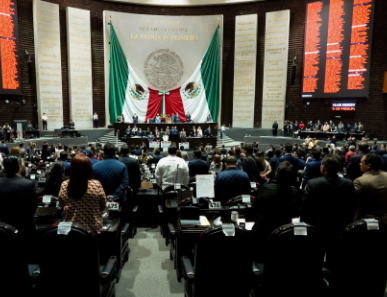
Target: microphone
177	169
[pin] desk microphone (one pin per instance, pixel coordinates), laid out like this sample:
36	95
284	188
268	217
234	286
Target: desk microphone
177	169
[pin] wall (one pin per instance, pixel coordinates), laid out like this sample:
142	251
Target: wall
371	112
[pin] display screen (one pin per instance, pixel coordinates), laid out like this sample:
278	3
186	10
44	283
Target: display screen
337	50
9	46
346	106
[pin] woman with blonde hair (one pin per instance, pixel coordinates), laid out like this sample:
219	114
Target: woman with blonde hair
216	165
144	158
217	151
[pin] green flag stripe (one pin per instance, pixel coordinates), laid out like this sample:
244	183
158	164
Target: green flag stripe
210	75
119	75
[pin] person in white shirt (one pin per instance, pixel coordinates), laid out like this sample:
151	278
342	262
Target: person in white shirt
171	169
199	132
44	119
95	120
223	131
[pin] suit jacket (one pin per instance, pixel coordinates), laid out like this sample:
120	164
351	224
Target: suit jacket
177	119
384	162
208	132
353	169
275	126
197	166
128	132
329	204
20	202
4	149
312	170
173	118
371	194
292	160
156	159
188	117
230	183
134	173
135	119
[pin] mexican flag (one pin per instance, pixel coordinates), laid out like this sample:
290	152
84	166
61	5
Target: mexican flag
128	95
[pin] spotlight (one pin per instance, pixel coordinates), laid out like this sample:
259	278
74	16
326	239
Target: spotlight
6	101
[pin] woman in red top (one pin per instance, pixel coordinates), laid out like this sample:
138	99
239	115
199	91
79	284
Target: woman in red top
301	126
82	198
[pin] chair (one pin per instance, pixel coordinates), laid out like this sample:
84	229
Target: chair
222	265
362	266
293	263
69	265
246	210
14	273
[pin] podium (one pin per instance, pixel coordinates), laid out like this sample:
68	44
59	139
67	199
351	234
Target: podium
21	125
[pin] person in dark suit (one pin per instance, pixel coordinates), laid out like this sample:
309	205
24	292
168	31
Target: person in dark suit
4	149
289	157
353	169
19	198
275	205
223	150
197	165
71	124
208	132
384	162
128	132
188	117
139	132
209	118
177	118
173	118
273	161
329	204
135	118
231	182
312	168
275	128
133	168
156	157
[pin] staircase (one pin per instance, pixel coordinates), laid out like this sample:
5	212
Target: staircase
110	137
226	140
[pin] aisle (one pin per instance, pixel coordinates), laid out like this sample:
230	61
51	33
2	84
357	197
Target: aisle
149	271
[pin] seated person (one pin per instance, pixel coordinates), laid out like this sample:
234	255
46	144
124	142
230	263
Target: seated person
183	136
20	197
128	132
139	132
134	130
82	198
275	206
150	136
208	132
231	182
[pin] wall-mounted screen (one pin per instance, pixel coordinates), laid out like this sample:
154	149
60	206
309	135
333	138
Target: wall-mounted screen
337	50
9	48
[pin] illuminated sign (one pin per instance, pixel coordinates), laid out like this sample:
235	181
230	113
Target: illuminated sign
344	106
337	49
9	57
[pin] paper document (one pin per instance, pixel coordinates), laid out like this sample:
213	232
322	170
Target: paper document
205	186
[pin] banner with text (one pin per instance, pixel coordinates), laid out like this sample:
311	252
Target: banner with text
48	63
275	68
163	51
245	63
79	67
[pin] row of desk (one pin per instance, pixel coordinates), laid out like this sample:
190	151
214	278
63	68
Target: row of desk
322	135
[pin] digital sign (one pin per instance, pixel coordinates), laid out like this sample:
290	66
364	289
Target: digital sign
337	49
347	106
9	46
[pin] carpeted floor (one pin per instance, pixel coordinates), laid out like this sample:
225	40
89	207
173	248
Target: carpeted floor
149	272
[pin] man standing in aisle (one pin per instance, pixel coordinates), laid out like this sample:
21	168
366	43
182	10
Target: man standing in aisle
171	170
44	119
95	120
275	128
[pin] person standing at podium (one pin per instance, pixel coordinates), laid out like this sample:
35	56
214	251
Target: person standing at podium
188	117
71	124
177	118
44	119
135	118
95	120
275	128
